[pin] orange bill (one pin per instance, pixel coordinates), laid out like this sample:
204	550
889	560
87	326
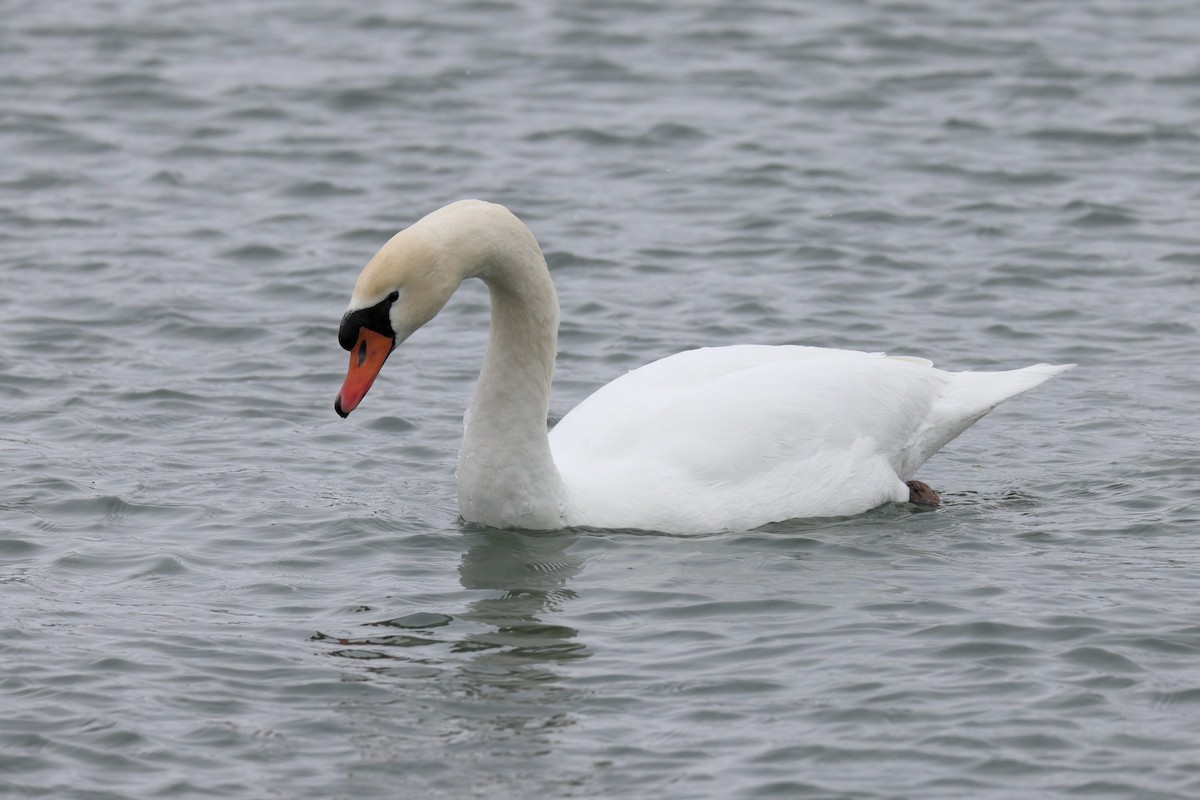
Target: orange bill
366	359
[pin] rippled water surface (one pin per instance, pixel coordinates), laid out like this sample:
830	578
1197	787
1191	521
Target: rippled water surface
212	586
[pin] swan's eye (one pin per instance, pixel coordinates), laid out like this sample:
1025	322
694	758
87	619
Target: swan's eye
393	297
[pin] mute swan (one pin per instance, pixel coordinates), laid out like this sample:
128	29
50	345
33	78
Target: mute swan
713	439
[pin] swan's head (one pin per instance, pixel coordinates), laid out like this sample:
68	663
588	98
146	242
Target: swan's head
400	289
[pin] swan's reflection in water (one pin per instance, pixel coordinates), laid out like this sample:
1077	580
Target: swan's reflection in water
530	573
484	680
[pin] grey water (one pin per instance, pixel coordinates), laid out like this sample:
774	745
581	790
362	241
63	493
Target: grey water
211	586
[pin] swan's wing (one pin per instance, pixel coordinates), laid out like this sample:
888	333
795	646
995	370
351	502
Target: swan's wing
745	434
717	408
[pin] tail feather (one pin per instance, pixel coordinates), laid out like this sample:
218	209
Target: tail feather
974	394
967	398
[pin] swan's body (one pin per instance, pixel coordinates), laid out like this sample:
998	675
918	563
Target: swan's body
712	439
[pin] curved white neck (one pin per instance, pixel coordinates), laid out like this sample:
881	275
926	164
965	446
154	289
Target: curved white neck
506	474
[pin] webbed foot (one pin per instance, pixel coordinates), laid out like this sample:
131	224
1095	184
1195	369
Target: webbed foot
922	494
